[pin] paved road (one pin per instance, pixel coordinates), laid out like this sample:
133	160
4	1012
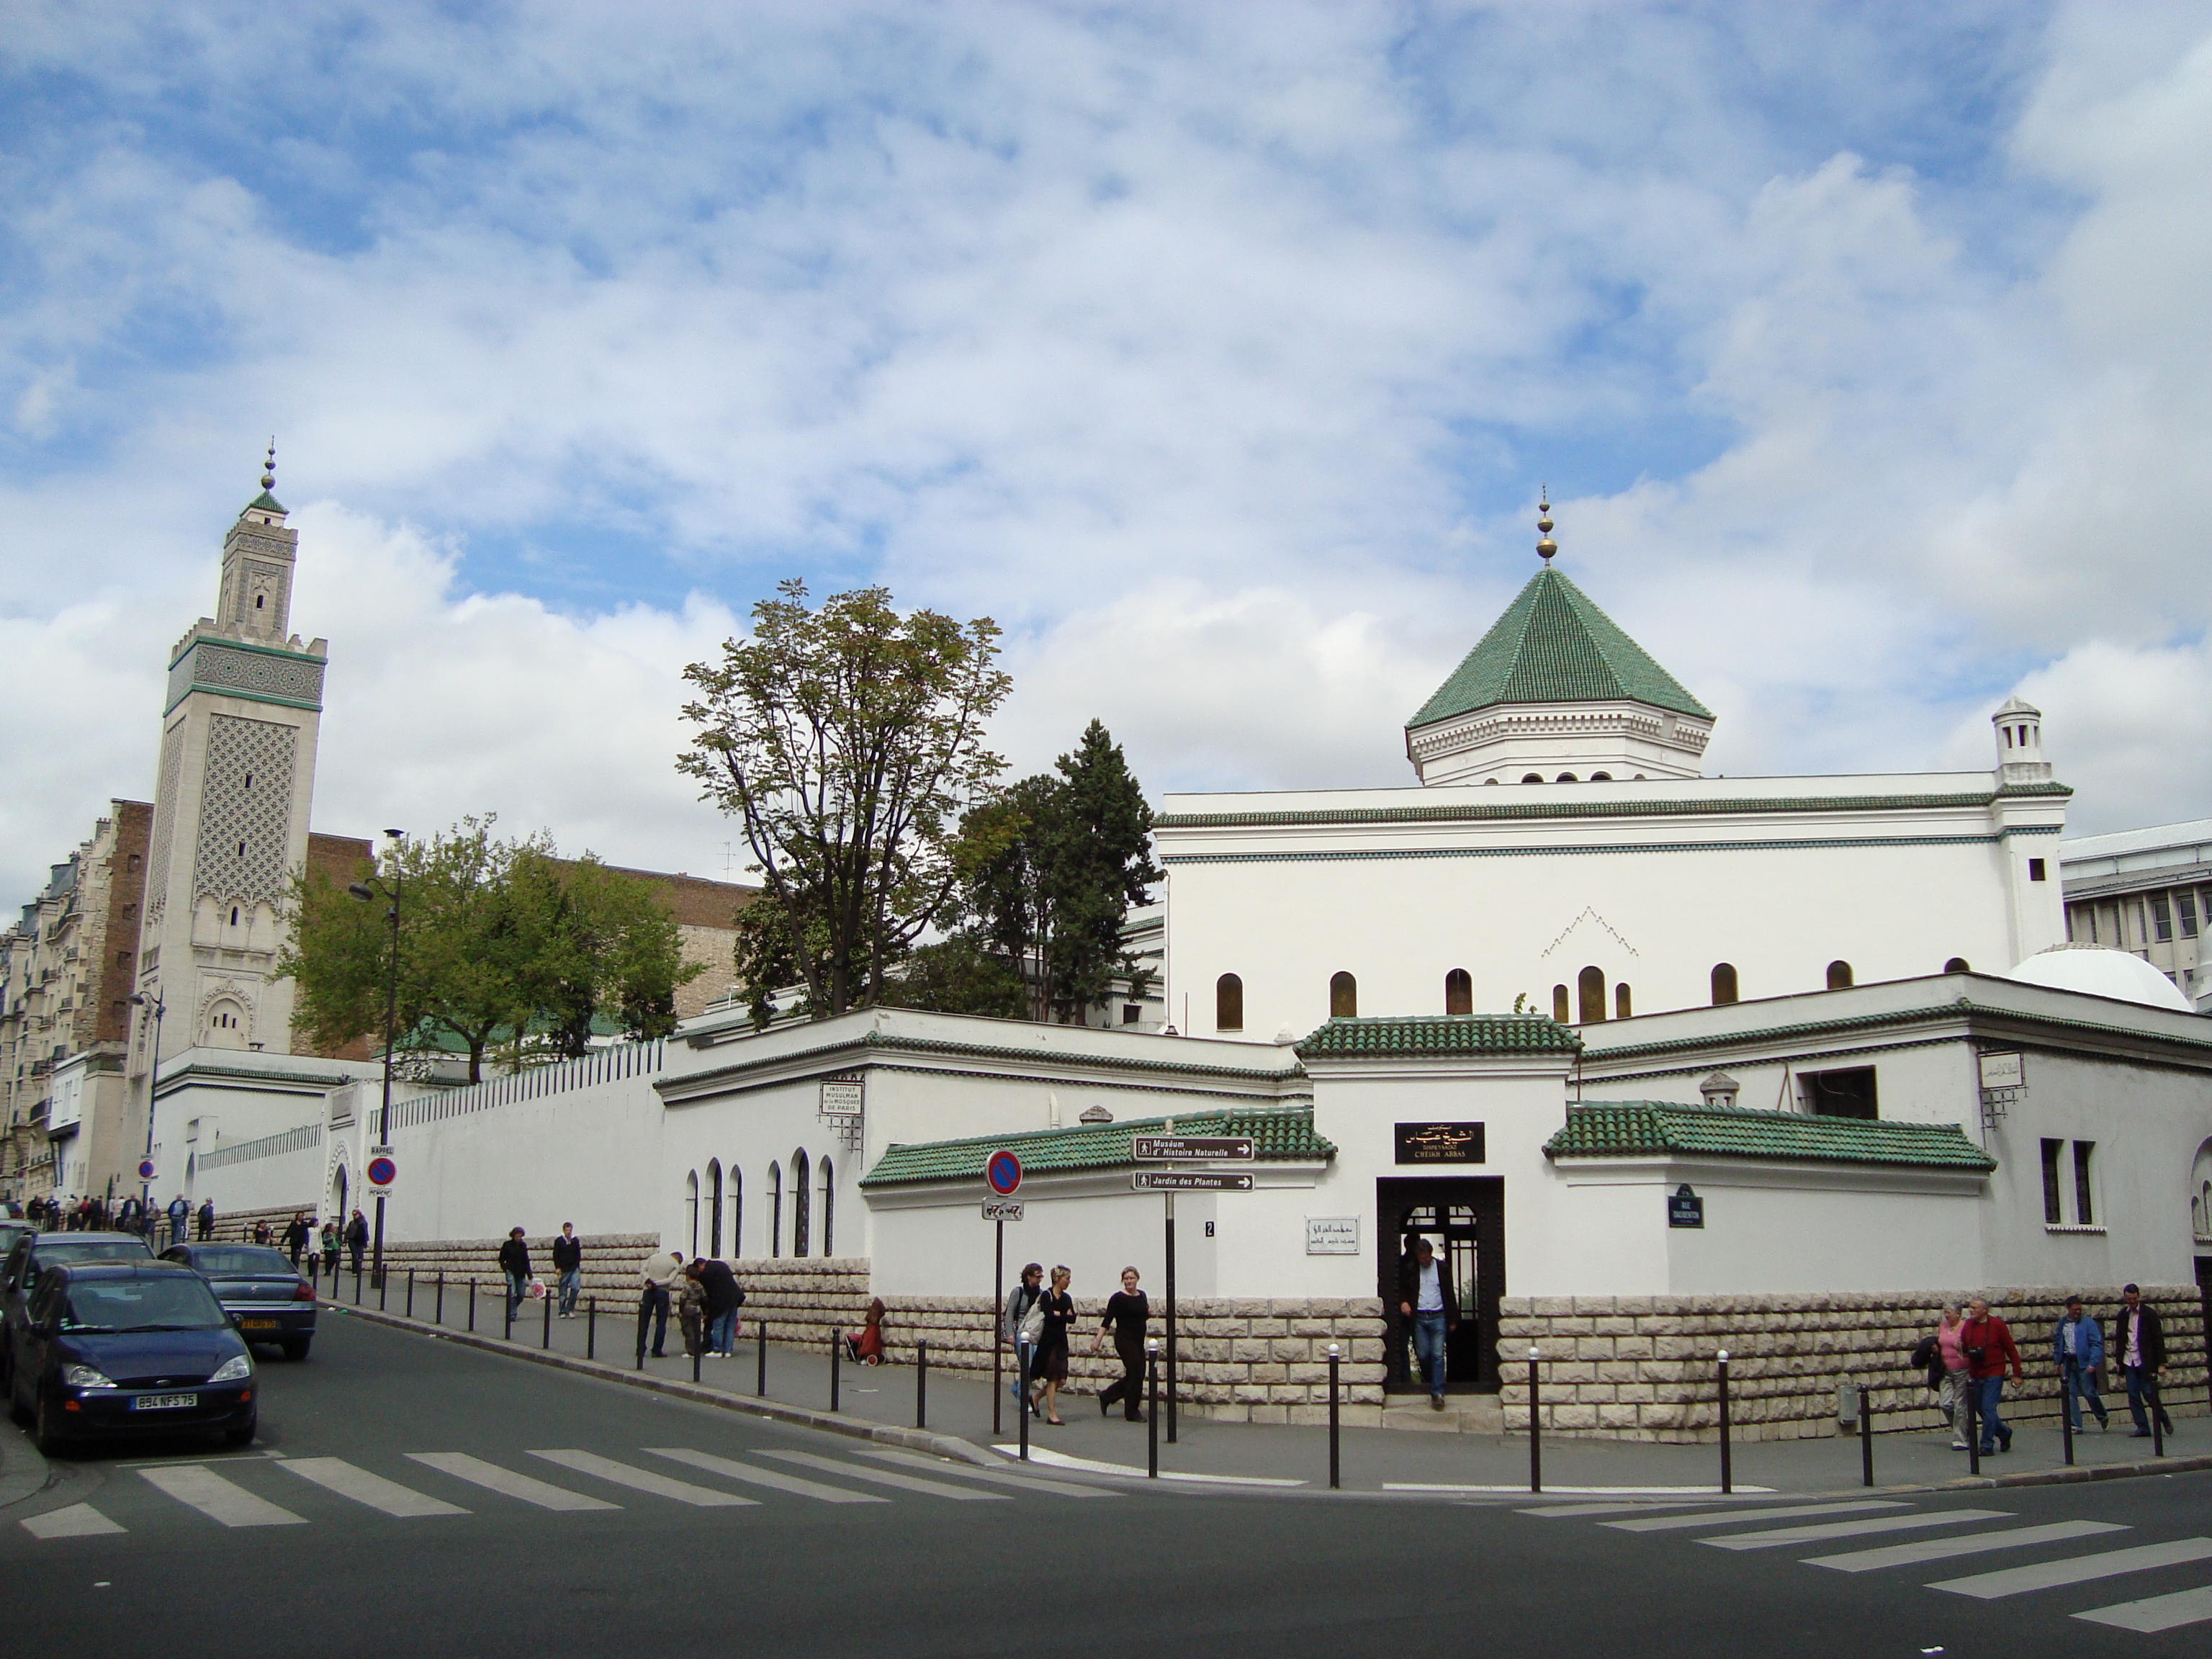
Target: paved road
410	1495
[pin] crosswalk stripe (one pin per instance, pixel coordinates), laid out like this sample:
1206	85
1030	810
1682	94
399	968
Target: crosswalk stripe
1979	1543
1576	1512
76	1520
1784	1535
771	1478
1728	1518
2156	1612
204	1490
887	1478
660	1485
996	1477
2082	1570
508	1483
335	1474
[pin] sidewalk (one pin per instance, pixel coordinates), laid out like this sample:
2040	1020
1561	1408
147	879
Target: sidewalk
1370	1460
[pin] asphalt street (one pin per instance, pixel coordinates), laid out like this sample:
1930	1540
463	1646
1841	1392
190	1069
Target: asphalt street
409	1494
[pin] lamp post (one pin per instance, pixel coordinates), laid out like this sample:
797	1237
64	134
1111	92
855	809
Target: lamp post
366	892
153	1071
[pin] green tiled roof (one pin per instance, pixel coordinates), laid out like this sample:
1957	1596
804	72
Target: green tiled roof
1641	1128
1418	1036
1553	645
266	503
1277	1135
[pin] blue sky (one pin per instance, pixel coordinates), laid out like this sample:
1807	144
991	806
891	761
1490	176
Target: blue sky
1217	352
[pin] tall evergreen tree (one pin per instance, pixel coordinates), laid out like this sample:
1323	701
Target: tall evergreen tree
1099	857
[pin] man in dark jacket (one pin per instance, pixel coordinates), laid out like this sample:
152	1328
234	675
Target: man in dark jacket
1431	1310
723	1298
568	1263
207	1219
2139	1344
515	1262
356	1238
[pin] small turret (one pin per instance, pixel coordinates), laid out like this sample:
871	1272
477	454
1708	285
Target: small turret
2020	744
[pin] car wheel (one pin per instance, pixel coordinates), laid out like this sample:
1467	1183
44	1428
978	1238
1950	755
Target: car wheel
295	1348
241	1436
49	1440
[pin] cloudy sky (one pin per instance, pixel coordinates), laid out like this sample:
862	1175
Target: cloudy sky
1217	352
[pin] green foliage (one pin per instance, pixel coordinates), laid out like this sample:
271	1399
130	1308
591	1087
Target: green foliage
958	975
848	741
595	942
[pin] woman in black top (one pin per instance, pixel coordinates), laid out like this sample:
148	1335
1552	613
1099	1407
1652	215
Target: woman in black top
1127	1310
1050	1364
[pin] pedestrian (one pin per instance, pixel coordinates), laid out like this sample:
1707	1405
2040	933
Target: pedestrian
296	1233
660	1275
1987	1342
1127	1312
331	1246
207	1219
866	1346
1428	1305
2139	1339
261	1234
568	1263
2077	1347
515	1262
179	1210
1048	1359
126	1216
356	1238
1021	1323
690	1298
724	1297
1945	1361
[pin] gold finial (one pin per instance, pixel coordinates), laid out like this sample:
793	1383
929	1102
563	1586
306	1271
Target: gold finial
1546	547
269	465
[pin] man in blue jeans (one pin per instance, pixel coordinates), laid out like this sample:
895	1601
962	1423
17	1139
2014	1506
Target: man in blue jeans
1986	1340
1431	1310
2077	1348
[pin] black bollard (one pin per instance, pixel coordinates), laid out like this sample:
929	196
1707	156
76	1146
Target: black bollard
356	1286
698	1349
921	1383
1536	1428
1866	1434
1728	1472
760	1383
2066	1392
1973	1426
1152	1411
548	1301
644	1324
591	1328
472	1305
1332	1417
411	1293
1022	1383
441	1300
506	1302
836	1341
2157	1417
383	1288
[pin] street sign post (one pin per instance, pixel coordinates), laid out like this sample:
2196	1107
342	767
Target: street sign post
1001	1209
1003	1172
1188	1181
1191	1149
382	1172
145	1169
1185	1148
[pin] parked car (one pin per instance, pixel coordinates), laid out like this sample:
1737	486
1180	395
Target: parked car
259	1288
109	1350
30	1255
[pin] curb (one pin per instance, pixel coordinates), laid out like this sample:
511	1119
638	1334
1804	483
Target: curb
2075	1475
943	1445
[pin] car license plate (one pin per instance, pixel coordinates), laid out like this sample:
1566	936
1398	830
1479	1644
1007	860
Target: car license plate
164	1402
258	1324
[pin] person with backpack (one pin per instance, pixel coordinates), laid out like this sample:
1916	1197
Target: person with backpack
1987	1342
1022	1326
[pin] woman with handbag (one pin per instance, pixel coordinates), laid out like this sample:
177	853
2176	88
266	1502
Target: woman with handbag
1022	1324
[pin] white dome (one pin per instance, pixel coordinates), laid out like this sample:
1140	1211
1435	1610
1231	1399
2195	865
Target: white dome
2098	971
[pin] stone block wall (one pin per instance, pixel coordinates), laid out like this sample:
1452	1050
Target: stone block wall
1641	1368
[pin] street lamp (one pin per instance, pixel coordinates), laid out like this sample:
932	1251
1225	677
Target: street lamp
153	1070
365	892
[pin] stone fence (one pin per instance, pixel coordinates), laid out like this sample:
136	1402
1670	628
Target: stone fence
1641	1368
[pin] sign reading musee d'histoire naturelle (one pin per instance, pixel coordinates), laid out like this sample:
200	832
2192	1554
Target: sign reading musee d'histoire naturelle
1440	1143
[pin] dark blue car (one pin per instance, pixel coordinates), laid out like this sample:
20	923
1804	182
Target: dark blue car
112	1349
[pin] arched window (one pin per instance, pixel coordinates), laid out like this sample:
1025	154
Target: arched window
1590	994
1459	991
1620	1003
1839	976
774	1209
1532	777
829	1206
1343	997
1560	1004
1957	965
1724	982
737	1178
1565	777
1600	777
799	1204
692	1207
1229	1003
714	1208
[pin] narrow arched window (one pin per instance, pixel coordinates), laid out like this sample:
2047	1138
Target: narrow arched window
1590	994
775	1209
1621	1003
799	1204
1229	1003
1343	997
737	1178
691	1207
1459	991
1600	777
1565	777
1724	982
1532	777
715	1207
828	1208
1839	976
1957	965
1559	1010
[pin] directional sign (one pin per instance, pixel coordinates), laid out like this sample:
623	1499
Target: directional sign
1001	1209
1189	1180
381	1171
1191	1149
1004	1172
145	1169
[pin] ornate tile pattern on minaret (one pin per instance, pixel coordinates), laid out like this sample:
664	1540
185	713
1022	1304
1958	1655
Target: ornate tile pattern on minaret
245	804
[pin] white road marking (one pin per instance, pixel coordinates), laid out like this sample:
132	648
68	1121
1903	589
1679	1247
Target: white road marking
2082	1570
78	1521
1980	1543
1576	1512
886	1478
1682	1522
760	1477
1062	1461
1520	1488
335	1474
996	1477
492	1478
1784	1535
218	1499
2156	1612
637	1480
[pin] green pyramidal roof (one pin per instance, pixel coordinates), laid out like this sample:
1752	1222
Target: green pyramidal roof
1553	645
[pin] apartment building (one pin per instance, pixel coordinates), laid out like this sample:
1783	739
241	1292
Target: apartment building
2147	892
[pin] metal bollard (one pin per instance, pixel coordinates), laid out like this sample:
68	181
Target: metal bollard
836	1341
2157	1418
591	1328
1153	1413
760	1383
441	1300
547	1300
1022	1383
411	1293
472	1305
1728	1472
921	1383
357	1287
1535	1430
1973	1427
1332	1417
644	1324
383	1288
2066	1395
1866	1434
698	1349
506	1302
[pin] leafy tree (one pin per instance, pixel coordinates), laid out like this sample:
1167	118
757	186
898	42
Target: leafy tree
595	942
958	975
849	740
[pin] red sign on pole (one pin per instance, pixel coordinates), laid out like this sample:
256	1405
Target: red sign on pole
1004	1172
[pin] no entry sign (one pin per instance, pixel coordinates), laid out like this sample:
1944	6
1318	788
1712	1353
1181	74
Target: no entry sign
1004	1172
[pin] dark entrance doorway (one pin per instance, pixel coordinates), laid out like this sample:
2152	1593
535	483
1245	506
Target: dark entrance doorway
1464	1221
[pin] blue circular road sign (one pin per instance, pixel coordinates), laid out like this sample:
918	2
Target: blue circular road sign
1004	1172
381	1171
145	1169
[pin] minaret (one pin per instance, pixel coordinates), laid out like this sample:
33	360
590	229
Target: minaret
2020	744
239	725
